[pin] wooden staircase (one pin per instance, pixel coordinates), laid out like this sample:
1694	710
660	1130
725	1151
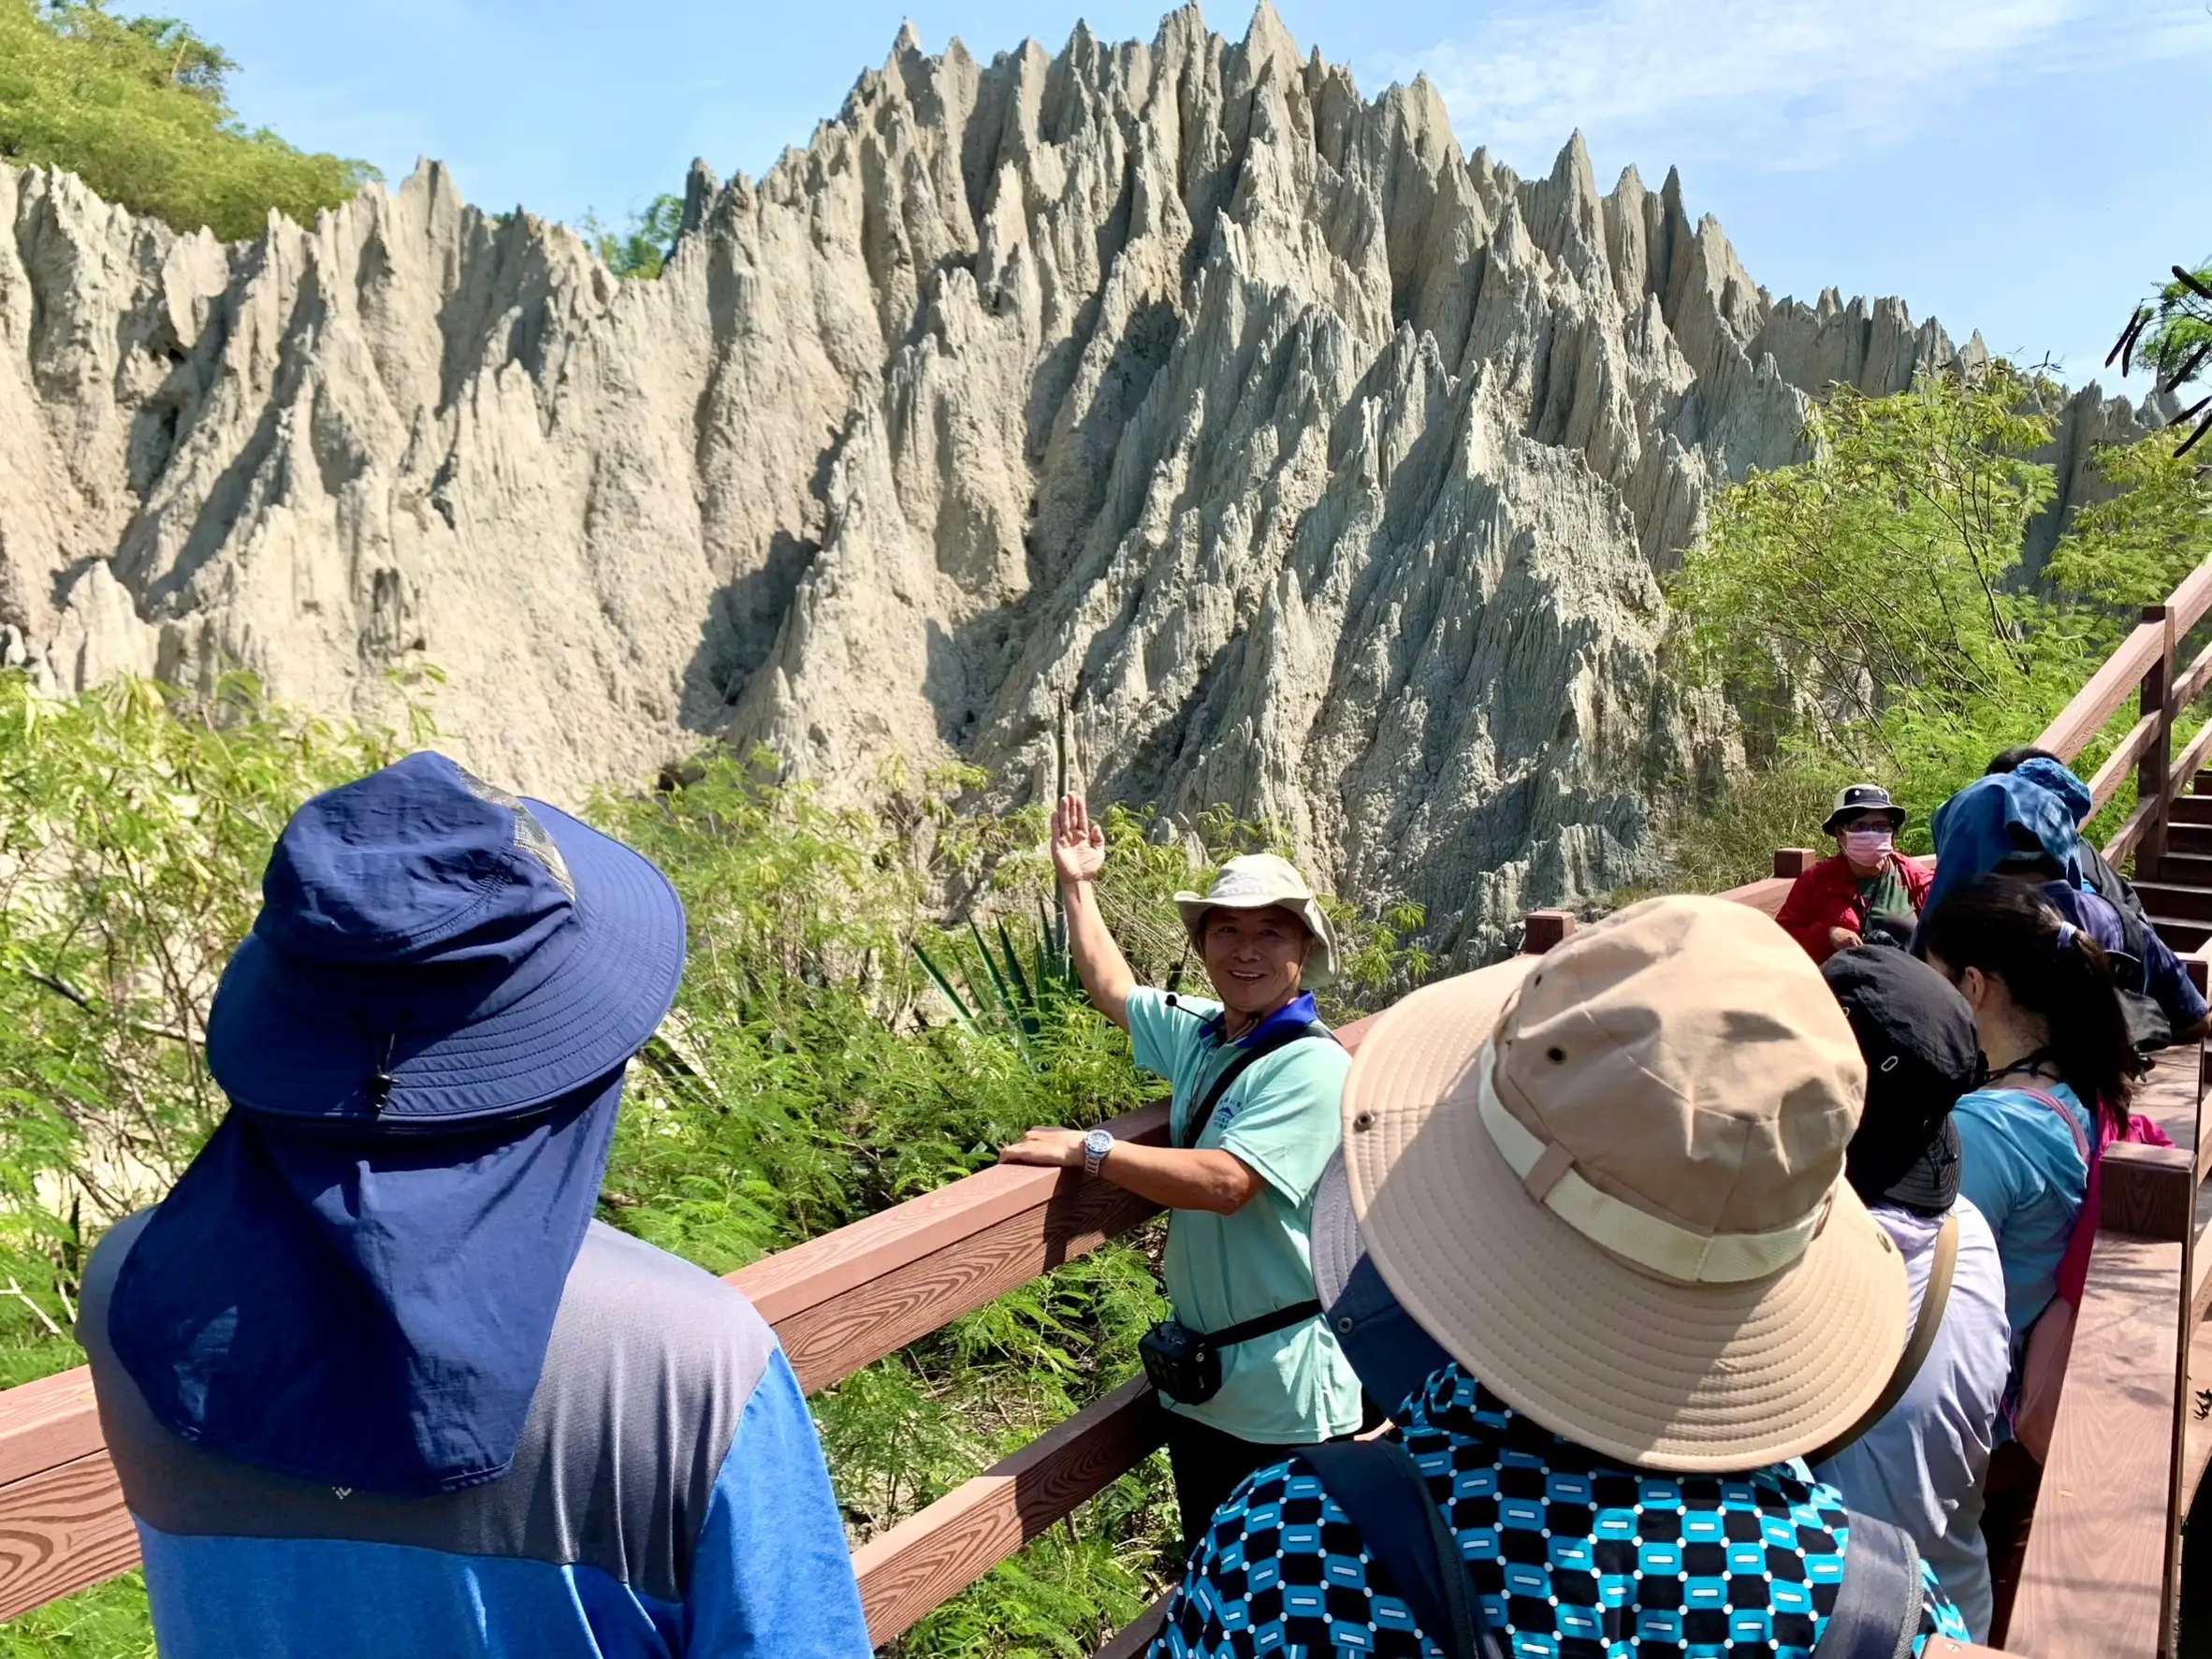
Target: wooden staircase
2178	892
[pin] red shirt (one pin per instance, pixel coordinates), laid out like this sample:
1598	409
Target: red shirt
1827	897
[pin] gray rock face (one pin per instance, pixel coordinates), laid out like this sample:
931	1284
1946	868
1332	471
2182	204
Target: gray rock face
1324	470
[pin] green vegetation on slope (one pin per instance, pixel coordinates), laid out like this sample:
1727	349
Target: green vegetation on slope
135	108
809	1077
642	247
1868	612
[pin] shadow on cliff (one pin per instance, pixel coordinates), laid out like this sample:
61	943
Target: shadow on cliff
738	634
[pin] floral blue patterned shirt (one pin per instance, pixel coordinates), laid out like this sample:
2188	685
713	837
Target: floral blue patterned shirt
1574	1557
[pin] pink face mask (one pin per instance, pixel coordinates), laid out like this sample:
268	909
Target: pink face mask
1865	846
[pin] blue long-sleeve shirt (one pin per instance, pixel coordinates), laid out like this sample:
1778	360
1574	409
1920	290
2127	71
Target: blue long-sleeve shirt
668	1500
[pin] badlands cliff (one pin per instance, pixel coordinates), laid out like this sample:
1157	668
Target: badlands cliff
1323	470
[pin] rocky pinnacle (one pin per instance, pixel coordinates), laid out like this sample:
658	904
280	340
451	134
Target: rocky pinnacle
1321	469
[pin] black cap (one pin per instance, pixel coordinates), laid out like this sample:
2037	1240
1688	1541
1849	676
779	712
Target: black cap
1856	798
1922	1053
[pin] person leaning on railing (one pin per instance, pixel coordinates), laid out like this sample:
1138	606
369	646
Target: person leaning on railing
1607	1185
1868	888
1245	1366
376	1383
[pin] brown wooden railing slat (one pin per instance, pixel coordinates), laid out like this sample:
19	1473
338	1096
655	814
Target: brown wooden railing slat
61	1530
2193	681
2131	834
848	1297
47	1423
1133	1640
930	1557
2112	685
2123	760
2094	1582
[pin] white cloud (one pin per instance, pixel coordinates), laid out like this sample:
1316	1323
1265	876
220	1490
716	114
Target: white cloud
1795	81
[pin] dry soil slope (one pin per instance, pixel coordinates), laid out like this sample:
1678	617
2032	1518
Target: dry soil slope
1323	470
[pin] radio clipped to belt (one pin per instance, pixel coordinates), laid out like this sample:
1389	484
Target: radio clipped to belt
1186	1365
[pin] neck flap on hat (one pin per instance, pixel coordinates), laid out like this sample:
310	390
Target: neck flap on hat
423	1041
365	1310
1996	818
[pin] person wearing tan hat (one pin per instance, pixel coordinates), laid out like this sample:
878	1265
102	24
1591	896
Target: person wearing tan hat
1246	1368
1609	1183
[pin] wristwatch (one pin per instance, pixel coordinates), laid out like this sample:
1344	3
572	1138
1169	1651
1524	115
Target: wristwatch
1095	1145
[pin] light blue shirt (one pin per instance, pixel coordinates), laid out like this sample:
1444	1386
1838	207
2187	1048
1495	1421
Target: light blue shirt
1282	1118
2025	1172
1920	1468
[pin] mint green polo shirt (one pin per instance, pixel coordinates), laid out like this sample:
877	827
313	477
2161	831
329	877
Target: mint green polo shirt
1282	1118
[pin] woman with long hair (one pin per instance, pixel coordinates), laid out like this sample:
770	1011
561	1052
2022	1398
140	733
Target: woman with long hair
2060	1072
2055	1038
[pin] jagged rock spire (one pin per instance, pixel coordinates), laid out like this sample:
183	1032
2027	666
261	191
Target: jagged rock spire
1322	469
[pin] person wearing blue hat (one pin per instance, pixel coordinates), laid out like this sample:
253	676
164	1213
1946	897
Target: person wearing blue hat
2023	825
375	1380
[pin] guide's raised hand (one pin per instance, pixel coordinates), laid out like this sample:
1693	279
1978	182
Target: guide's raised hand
1079	846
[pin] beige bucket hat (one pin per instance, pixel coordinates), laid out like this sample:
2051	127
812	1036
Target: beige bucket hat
1257	881
1609	1181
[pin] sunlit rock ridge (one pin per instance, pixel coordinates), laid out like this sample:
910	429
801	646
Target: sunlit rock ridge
1322	470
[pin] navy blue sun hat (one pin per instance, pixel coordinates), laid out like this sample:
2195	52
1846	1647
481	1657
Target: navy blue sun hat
423	1040
432	949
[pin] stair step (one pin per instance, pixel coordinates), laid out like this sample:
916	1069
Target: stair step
2191	809
2165	898
2182	934
2182	870
2188	837
2202	783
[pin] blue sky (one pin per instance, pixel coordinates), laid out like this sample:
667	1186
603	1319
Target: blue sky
2016	166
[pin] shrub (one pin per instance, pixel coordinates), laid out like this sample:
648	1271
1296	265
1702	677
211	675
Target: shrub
135	108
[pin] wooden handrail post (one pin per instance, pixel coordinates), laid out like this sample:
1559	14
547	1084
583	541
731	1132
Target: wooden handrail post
1542	929
1792	862
2152	775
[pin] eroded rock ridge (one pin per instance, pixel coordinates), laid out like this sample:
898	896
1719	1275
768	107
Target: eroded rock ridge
1322	470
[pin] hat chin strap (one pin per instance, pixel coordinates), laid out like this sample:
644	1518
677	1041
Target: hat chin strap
1547	1169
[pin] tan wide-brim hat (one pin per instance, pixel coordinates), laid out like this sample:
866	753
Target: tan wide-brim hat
1609	1181
1260	882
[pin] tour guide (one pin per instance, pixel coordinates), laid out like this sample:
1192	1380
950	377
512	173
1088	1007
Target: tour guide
1241	1184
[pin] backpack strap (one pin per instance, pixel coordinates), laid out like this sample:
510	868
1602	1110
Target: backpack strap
1923	1338
1878	1606
1378	1484
1243	1058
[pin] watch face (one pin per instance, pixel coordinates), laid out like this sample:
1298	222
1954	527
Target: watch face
1097	1143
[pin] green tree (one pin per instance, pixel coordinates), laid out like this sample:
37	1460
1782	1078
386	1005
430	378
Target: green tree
642	247
2178	337
1869	610
136	108
1867	605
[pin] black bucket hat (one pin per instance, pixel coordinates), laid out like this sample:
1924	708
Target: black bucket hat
1922	1053
1857	798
